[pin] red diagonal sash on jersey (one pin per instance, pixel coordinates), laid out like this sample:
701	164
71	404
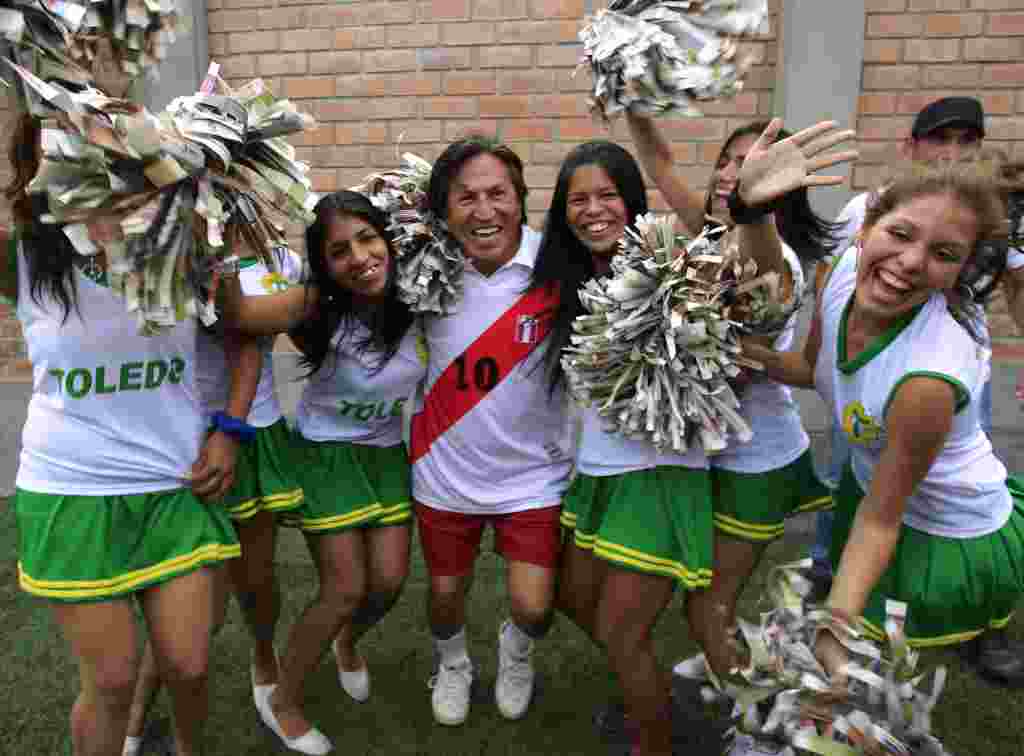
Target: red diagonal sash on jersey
485	363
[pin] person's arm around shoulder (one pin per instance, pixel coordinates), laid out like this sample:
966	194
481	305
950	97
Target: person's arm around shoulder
656	157
267	314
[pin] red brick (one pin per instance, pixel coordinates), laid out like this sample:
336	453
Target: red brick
936	5
516	131
877	104
882	128
346	156
761	77
895	25
525	82
543	176
995	4
549	153
891	77
239	65
1009	24
413	35
217	44
389	60
335	62
507	106
308	39
470	82
450	107
954	76
442	10
883	50
255	41
245	3
323	180
697	129
443	58
346	39
322	135
932	50
1004	128
459	129
912	102
744	103
280	64
411	84
1004	75
495	9
506	56
953	24
415	132
570	105
538	32
570	80
559	56
885	6
998	48
372	37
468	33
580	129
309	86
557	8
351	85
997	103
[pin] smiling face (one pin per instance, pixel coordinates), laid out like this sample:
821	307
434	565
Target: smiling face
485	212
727	173
356	256
918	247
595	211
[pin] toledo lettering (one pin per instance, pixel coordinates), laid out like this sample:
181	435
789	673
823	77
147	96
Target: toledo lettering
366	411
78	383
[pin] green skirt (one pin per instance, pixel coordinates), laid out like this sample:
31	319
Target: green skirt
656	521
351	486
754	506
954	588
265	474
97	548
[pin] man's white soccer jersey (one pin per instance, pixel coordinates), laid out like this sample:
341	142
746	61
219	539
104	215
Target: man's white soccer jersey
348	399
510	452
769	408
964	493
212	376
112	412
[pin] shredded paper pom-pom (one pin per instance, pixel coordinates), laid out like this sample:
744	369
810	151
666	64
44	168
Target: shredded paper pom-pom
171	184
657	345
430	260
663	57
786	701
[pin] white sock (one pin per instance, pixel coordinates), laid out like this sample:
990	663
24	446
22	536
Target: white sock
453	650
132	744
515	640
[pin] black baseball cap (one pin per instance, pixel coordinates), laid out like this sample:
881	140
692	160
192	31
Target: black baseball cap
949	111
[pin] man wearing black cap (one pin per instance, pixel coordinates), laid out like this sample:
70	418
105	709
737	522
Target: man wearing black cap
950	129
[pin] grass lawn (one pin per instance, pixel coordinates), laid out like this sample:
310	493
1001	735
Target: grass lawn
38	681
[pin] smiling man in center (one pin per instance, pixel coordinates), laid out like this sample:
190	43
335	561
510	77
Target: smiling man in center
490	444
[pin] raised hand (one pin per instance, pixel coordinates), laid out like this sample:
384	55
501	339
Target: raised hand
771	170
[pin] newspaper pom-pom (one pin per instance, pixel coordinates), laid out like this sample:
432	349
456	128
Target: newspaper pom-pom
883	708
89	41
658	342
663	57
173	183
429	260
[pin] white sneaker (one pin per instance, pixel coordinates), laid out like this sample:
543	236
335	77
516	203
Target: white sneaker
357	683
514	687
451	690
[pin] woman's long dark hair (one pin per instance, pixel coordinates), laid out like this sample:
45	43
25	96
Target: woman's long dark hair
563	260
49	255
387	321
811	236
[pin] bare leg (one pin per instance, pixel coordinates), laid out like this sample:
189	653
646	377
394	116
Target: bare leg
579	586
341	564
255	586
102	637
388	566
181	615
147	686
630	605
712	610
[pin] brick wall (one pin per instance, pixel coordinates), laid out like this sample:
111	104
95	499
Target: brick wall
378	72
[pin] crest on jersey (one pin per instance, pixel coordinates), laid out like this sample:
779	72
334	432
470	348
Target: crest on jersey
526	329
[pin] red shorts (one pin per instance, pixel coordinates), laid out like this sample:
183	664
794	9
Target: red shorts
451	540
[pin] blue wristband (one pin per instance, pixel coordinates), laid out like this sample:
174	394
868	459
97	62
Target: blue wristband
232	426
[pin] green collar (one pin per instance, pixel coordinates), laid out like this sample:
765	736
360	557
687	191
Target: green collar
877	345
